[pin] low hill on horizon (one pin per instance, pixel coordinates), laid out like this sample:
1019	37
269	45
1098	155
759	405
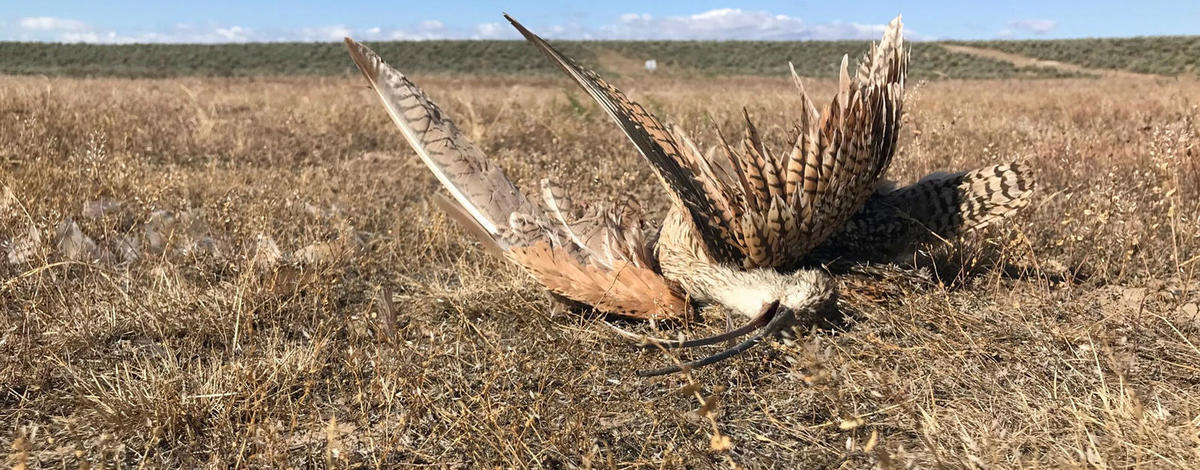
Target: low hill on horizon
1167	55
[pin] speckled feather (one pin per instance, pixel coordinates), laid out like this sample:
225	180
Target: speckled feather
482	189
751	208
773	209
602	259
655	142
835	162
940	206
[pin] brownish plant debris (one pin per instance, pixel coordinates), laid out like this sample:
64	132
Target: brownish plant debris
255	334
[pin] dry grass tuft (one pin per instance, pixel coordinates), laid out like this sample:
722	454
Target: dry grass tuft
248	272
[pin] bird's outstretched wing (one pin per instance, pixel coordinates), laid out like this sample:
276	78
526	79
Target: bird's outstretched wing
682	170
838	155
757	208
939	206
601	260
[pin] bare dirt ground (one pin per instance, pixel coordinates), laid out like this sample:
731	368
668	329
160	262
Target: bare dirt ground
1026	61
249	273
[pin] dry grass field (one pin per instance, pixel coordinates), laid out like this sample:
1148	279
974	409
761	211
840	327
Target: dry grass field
223	273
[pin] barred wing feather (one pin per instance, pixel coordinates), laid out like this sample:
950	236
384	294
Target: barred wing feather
602	261
755	208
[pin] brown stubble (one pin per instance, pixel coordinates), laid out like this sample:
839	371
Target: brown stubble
1069	337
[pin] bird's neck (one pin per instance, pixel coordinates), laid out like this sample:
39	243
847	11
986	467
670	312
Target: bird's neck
744	292
685	261
746	298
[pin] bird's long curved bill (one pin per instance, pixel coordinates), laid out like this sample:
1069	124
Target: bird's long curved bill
773	320
759	321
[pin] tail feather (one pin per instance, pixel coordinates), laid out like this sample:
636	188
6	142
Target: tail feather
951	205
939	206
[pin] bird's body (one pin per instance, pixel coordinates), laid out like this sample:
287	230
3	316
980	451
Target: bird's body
738	223
684	261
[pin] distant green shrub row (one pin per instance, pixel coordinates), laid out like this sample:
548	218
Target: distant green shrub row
256	59
1164	55
812	58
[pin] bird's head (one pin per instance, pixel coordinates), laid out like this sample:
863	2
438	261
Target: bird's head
806	295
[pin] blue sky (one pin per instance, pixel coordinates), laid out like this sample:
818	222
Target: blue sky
260	20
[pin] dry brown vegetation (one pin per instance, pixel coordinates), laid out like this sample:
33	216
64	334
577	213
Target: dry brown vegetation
273	288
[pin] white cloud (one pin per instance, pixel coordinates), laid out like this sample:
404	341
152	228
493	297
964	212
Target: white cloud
719	24
324	33
495	31
233	34
1034	26
48	23
635	17
734	23
46	28
75	36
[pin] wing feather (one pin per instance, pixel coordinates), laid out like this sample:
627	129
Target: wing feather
482	189
658	146
625	289
603	261
765	210
838	159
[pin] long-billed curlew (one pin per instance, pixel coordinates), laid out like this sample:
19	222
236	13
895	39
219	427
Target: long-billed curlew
734	222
